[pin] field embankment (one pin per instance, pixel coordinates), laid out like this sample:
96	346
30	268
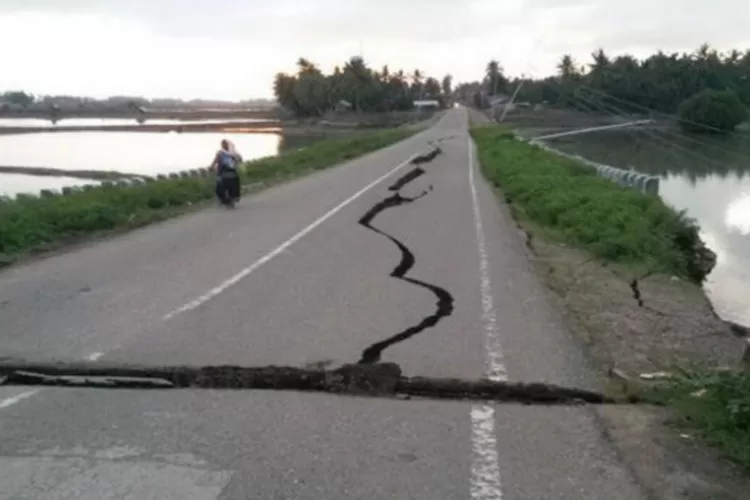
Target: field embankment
31	224
626	270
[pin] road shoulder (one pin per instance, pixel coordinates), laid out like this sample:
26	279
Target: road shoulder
642	324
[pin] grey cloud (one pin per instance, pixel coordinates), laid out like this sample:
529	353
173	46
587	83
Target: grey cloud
672	25
576	24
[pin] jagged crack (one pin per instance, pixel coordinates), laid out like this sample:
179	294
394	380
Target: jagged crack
444	298
380	379
636	292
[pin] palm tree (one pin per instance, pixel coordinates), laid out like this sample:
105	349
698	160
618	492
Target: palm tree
567	67
494	77
447	84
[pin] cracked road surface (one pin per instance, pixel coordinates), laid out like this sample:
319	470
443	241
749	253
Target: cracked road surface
291	277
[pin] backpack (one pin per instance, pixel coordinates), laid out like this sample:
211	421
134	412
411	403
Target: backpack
226	161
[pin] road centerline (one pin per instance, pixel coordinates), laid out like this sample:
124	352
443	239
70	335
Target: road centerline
485	465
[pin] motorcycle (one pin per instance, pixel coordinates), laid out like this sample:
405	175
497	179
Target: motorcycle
228	188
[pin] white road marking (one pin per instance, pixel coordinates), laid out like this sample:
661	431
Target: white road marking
8	402
495	360
281	248
485	466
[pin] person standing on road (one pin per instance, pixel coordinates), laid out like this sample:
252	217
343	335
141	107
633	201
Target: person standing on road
226	163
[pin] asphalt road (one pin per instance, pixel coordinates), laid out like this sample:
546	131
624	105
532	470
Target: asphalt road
315	271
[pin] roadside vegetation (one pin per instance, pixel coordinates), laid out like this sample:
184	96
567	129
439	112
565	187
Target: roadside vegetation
713	404
712	110
565	202
570	202
29	224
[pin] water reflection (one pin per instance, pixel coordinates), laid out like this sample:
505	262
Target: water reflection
708	178
133	152
737	217
147	153
99	122
12	184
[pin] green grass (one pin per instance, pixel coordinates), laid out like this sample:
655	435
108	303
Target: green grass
31	224
568	201
715	405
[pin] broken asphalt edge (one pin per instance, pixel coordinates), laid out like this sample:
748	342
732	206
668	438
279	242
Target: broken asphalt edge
380	379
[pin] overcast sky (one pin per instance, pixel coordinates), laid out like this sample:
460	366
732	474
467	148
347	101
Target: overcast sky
231	49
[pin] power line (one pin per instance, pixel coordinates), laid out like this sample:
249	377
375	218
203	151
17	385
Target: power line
645	108
703	143
619	112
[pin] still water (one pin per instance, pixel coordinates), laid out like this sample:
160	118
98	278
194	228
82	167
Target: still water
11	184
147	153
708	177
99	122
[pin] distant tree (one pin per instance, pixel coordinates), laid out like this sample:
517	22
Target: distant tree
17	97
447	85
660	82
567	68
494	78
712	111
310	92
432	88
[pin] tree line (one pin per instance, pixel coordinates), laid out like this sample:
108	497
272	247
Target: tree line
668	83
355	86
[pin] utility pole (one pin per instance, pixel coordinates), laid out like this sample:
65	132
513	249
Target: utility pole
510	102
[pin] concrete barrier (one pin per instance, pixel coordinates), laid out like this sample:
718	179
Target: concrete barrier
644	183
120	183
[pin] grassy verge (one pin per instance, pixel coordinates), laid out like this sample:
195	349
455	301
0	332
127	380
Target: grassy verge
570	203
33	224
715	405
577	215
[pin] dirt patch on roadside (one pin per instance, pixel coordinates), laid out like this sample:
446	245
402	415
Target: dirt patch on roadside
669	465
644	325
635	323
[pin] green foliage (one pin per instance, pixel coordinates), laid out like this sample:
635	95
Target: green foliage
613	223
660	82
712	110
17	97
714	403
310	92
29	223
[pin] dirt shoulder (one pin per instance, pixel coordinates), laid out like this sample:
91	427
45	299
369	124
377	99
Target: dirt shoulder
643	324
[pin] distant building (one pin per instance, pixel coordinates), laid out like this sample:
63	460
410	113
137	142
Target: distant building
342	105
427	103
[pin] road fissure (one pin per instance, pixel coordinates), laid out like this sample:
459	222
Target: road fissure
379	379
444	306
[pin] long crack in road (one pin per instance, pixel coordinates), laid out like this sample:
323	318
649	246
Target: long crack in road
444	307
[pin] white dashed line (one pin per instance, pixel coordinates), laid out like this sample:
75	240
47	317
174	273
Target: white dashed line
495	360
485	466
281	248
8	402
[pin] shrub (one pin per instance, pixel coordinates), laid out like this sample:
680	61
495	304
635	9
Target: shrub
712	111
